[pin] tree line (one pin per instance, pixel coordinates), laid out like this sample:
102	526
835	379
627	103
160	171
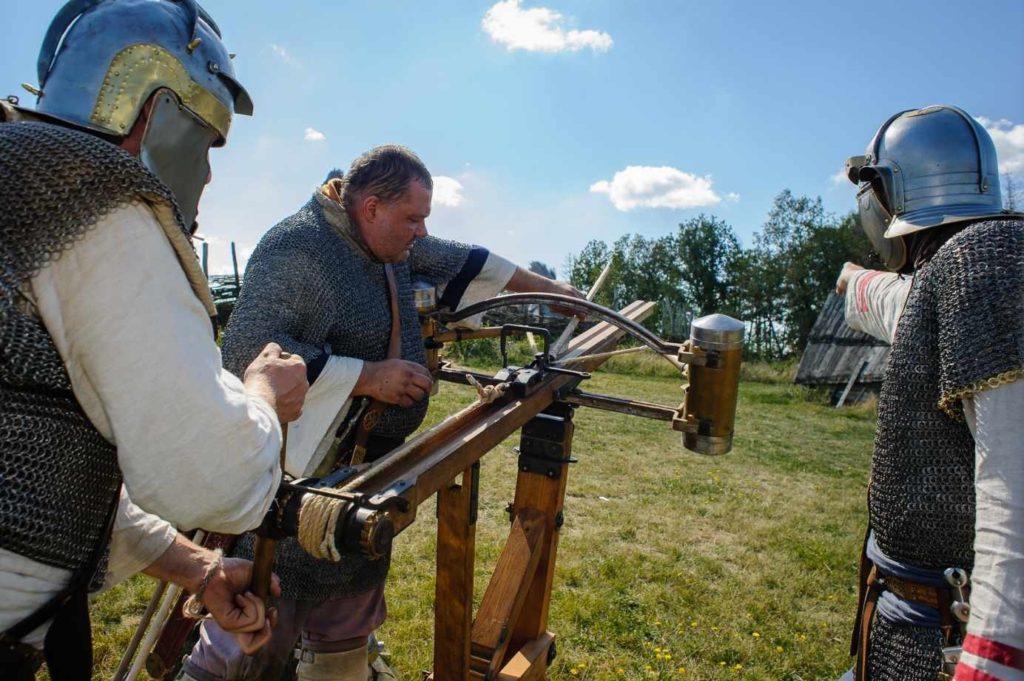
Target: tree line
777	286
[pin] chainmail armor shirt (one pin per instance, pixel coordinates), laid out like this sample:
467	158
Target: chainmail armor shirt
83	356
313	289
958	343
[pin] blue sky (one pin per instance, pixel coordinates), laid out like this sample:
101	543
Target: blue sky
552	122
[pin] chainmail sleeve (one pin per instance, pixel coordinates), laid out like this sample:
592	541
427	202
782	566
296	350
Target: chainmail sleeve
980	305
273	303
439	260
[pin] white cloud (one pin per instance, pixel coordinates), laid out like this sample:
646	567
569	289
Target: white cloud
732	197
839	178
285	56
314	135
538	29
447	191
657	187
1009	141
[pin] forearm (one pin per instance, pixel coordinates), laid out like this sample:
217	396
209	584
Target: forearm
525	281
183	563
996	626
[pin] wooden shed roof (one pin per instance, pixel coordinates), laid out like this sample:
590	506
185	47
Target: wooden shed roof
834	350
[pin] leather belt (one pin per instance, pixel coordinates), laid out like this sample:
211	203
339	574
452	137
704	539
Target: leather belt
915	592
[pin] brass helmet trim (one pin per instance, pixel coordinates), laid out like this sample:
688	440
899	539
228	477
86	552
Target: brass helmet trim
135	73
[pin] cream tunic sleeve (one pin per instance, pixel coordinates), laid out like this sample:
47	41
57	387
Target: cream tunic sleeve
875	301
194	447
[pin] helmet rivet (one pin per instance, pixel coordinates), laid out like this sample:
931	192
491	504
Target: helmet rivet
191	47
213	67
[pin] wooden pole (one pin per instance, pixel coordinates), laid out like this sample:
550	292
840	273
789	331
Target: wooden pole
563	340
234	265
456	547
265	548
140	631
849	384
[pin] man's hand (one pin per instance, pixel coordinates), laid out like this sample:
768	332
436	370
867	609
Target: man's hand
226	597
280	379
844	277
394	381
237	610
565	289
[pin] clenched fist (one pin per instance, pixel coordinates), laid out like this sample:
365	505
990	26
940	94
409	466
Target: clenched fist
237	610
280	379
394	381
844	276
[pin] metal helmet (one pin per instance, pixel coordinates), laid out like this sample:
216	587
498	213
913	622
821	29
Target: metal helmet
102	60
924	168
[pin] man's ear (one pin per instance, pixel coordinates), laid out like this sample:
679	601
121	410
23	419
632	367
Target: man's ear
369	207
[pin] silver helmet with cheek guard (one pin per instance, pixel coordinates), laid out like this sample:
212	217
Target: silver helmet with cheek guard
102	60
923	169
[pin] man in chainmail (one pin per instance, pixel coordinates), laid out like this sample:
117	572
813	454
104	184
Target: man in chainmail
946	494
317	284
106	343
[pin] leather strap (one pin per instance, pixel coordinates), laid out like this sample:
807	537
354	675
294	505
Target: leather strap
863	568
373	413
872	590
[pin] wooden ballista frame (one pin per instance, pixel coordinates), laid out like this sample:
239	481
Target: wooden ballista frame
509	637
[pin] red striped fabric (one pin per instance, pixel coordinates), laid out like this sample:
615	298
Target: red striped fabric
862	290
1004	654
964	672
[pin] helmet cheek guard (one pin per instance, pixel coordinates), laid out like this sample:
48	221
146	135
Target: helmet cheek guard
875	219
175	147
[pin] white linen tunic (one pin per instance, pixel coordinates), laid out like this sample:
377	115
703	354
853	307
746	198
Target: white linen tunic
193	446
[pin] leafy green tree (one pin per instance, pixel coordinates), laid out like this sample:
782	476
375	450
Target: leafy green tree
705	248
585	268
799	253
646	269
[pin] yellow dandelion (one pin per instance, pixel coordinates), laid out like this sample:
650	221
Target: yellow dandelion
681	670
737	666
722	663
778	649
756	635
668	656
574	671
693	624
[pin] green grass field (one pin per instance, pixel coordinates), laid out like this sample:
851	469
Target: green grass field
671	565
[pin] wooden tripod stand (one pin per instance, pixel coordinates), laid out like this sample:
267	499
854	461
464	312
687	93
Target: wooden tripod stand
508	639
